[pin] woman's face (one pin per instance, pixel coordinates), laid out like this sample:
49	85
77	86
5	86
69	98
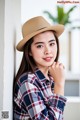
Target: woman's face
44	49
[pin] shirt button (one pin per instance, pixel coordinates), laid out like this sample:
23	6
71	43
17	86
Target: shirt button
49	103
47	82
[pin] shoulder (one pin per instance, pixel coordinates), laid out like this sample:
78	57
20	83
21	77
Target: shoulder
26	77
24	80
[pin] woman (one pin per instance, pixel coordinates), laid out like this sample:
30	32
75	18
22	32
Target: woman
39	83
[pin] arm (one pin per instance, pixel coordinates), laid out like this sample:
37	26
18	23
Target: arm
58	74
38	109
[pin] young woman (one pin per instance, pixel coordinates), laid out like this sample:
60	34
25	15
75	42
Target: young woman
39	83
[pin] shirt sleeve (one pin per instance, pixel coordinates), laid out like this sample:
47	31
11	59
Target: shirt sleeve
37	107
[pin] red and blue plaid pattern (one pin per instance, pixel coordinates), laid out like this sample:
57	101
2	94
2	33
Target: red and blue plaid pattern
35	99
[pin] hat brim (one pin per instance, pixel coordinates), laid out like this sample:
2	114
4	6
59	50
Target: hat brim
57	28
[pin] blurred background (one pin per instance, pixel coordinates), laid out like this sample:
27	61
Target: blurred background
12	15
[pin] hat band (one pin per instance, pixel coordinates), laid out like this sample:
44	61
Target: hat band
41	28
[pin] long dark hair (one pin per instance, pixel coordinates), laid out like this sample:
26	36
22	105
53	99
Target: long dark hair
28	63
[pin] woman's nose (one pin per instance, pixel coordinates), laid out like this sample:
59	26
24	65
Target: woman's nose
47	50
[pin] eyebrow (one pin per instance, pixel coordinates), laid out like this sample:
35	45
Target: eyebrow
43	42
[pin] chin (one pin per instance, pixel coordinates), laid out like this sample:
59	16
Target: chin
48	64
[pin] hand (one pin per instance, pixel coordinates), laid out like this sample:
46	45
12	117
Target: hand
58	73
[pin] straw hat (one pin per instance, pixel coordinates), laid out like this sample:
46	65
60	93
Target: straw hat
35	26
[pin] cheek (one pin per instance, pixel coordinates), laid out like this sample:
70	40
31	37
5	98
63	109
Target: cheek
54	50
36	54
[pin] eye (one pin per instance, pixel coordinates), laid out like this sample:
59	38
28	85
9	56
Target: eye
52	44
39	46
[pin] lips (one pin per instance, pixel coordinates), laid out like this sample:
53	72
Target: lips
48	59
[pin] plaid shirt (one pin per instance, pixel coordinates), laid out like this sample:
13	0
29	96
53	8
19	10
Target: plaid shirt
34	98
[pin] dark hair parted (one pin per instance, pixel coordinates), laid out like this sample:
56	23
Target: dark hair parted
28	63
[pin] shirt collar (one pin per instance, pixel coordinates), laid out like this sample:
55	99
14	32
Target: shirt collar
40	75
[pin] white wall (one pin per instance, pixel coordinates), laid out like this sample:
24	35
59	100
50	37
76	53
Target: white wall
75	48
1	50
33	8
10	27
72	110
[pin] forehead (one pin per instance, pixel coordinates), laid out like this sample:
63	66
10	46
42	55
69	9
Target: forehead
48	35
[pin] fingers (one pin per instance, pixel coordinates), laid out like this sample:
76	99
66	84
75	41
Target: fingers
61	65
58	64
